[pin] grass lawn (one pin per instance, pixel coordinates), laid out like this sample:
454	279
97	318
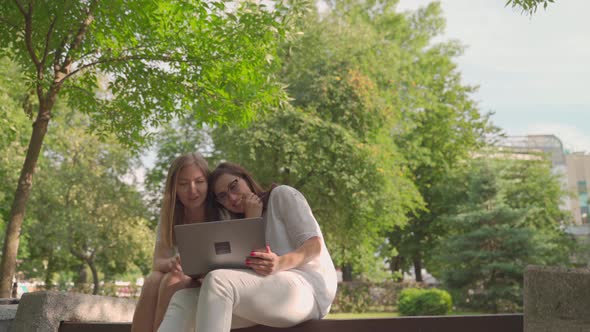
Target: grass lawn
387	315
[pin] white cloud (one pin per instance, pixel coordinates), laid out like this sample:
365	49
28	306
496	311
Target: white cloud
515	58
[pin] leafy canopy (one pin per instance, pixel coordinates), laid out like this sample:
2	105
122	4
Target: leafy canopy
134	64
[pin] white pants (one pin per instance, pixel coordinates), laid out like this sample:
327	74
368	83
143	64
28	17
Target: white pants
231	299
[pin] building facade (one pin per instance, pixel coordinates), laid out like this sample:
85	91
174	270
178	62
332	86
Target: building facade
578	179
573	169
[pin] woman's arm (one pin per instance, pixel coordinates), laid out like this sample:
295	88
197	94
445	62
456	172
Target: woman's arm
267	262
163	262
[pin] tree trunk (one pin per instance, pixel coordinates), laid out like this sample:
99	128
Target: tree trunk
346	272
418	267
82	278
94	276
23	190
49	272
396	265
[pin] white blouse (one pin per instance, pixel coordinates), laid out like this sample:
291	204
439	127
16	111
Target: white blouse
289	223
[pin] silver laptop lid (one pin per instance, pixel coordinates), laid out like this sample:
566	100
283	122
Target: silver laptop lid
214	245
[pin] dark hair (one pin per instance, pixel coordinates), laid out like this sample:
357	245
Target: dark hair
239	171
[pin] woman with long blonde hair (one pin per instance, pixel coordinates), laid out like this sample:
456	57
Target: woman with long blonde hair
185	201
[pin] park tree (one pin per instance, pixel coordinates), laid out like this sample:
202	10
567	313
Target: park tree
15	129
441	126
355	192
498	230
336	144
132	65
86	210
334	141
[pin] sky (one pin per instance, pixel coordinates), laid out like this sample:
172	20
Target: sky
533	72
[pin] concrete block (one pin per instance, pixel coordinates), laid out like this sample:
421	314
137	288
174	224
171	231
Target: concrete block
556	299
43	311
7	314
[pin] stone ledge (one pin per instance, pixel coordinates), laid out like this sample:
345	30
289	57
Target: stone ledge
556	299
479	323
44	311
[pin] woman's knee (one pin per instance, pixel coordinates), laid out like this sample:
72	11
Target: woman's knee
218	282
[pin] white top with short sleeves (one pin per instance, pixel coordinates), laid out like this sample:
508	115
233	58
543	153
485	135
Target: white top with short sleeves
289	223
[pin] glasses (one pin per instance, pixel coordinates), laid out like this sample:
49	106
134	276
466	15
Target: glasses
232	188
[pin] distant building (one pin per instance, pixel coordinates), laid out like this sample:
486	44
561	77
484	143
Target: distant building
578	178
548	144
572	168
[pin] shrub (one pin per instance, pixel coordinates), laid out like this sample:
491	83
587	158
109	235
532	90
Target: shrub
424	302
364	296
353	297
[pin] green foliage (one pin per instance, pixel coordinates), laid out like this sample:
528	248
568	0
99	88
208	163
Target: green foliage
334	143
529	6
15	130
82	211
353	298
133	65
441	125
533	186
354	195
364	296
499	231
486	259
424	302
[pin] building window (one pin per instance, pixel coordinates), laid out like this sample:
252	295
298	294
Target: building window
583	199
584	213
582	188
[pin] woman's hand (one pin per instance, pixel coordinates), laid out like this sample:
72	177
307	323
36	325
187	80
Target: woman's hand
252	205
173	264
264	261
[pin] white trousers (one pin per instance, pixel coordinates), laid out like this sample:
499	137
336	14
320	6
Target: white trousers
231	299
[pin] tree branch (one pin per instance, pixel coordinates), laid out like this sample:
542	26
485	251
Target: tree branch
47	39
56	65
80	35
20	7
121	59
29	33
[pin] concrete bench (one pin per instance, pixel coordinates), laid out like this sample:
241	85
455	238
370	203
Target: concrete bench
68	312
479	323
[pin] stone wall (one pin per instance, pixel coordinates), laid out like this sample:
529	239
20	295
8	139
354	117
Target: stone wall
43	311
556	299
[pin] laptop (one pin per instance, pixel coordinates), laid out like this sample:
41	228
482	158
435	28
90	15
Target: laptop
207	246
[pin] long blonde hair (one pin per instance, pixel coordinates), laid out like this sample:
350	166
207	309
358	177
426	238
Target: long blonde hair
172	211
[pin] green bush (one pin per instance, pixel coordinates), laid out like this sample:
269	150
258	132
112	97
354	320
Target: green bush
364	296
424	302
353	297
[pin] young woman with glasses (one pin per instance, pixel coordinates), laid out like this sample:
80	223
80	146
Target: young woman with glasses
290	281
185	201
